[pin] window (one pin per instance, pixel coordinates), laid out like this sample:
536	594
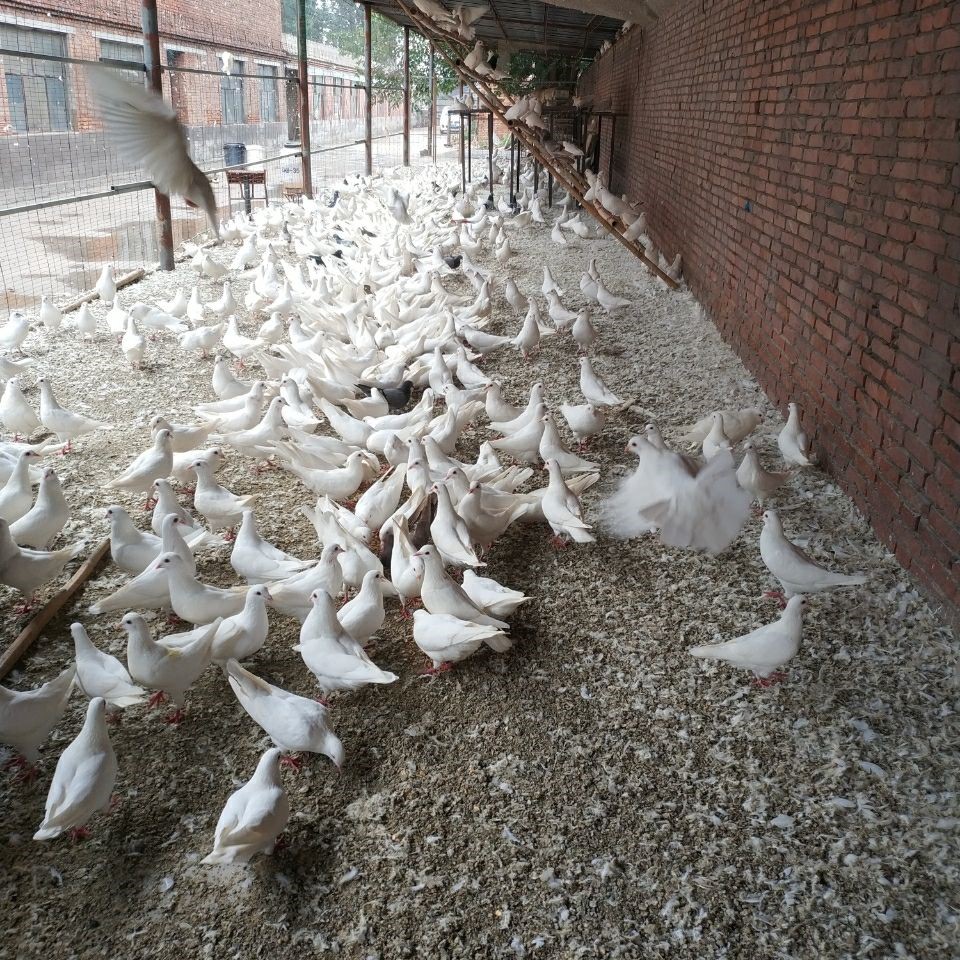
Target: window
269	95
36	89
231	95
316	81
118	54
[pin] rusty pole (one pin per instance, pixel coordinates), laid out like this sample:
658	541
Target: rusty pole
406	96
303	81
368	84
151	61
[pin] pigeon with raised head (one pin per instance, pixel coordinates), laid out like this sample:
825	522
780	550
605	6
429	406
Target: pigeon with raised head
16	414
796	572
100	674
793	442
752	476
764	650
41	524
66	424
83	780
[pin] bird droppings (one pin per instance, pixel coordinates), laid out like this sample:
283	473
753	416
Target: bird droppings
595	792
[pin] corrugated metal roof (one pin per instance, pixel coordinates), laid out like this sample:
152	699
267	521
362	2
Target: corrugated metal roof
527	24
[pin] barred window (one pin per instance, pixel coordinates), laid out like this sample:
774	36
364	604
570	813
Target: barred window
36	89
269	93
231	95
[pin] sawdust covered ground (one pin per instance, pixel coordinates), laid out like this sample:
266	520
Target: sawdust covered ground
595	792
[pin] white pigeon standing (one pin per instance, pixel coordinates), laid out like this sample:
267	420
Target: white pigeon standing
41	524
16	495
764	650
585	420
66	424
755	479
243	634
155	463
100	674
441	594
215	503
83	780
331	654
28	716
447	640
594	390
253	816
86	322
256	559
716	440
583	331
549	284
499	600
169	670
294	723
796	572
133	344
562	510
792	441
50	315
363	616
14	332
27	570
16	414
106	285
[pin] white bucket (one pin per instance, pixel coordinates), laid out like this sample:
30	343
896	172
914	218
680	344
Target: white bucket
255	155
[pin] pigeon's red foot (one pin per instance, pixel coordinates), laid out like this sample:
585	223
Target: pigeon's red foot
323	701
350	504
175	717
150	503
23	608
770	681
188	491
79	833
156	699
28	773
66	448
778	596
433	671
173	619
292	760
114	717
281	843
558	542
230	535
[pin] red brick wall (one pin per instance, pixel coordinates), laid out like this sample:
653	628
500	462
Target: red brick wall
836	123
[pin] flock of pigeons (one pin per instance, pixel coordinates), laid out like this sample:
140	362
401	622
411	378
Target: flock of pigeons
370	376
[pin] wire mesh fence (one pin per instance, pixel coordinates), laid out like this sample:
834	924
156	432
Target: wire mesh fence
69	203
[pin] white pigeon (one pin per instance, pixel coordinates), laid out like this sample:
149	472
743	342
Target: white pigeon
755	479
514	297
294	723
170	670
16	414
583	331
100	674
291	597
796	572
83	780
203	339
86	322
448	532
27	570
183	437
552	448
447	640
253	816
585	420
28	716
145	130
716	440
50	315
243	634
177	306
700	508
792	441
562	510
194	601
16	495
133	344
737	424
14	331
256	559
549	284
363	616
609	301
66	424
155	463
41	524
215	503
496	599
764	650
562	318
440	594
331	654
594	390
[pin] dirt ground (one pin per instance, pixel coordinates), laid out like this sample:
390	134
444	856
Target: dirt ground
595	792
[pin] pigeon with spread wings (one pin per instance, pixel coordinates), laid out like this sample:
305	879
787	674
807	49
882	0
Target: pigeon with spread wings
145	130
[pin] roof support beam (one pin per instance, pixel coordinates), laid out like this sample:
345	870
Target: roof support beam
636	11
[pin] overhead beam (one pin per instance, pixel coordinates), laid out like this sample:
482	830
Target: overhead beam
636	11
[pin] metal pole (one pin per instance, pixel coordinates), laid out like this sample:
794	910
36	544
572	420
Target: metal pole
368	83
490	156
303	79
406	96
431	133
151	62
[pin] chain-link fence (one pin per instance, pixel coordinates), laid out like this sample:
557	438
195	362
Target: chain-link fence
69	204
